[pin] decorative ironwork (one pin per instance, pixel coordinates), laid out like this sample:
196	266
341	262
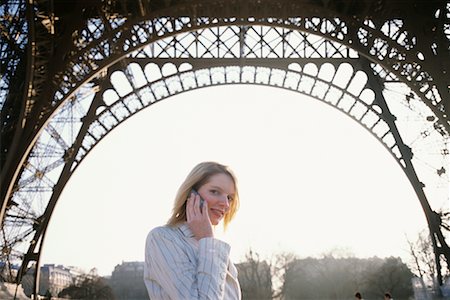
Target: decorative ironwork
381	73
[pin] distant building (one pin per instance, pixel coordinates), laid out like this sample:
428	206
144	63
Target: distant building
54	278
77	274
127	281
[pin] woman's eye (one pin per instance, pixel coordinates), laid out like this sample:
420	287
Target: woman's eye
230	198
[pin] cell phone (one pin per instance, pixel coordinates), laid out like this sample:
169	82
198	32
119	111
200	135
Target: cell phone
201	199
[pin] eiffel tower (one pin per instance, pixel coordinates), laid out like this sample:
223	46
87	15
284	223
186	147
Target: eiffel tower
383	63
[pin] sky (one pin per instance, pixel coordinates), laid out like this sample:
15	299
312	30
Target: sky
312	181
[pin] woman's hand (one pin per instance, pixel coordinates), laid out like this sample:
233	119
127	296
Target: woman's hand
198	220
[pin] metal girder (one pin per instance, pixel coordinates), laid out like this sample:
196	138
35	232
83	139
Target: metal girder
125	107
95	46
64	48
440	245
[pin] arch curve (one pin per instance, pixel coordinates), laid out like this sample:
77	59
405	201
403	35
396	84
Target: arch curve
346	82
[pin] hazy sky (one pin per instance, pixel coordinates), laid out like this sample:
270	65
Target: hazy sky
311	180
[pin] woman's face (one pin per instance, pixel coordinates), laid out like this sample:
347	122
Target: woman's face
218	192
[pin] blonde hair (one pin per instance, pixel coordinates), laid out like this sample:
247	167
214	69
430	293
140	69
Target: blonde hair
200	175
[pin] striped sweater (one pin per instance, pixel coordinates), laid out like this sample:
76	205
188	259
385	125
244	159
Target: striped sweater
177	266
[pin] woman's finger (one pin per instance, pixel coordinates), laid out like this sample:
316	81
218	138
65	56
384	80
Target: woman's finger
204	209
197	209
195	205
189	208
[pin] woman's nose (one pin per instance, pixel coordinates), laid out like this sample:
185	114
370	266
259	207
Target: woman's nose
225	201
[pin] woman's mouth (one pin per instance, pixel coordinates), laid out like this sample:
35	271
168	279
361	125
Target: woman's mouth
217	212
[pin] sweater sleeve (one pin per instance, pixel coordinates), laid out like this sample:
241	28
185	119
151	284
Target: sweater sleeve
168	264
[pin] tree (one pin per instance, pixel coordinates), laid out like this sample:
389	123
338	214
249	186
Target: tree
48	295
88	286
301	279
338	278
263	279
422	252
255	277
279	266
324	278
391	275
423	260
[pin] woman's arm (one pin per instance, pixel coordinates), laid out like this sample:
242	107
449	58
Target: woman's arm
170	266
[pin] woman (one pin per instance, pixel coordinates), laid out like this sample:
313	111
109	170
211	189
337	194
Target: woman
183	260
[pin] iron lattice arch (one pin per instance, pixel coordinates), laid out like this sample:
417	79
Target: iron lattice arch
119	58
